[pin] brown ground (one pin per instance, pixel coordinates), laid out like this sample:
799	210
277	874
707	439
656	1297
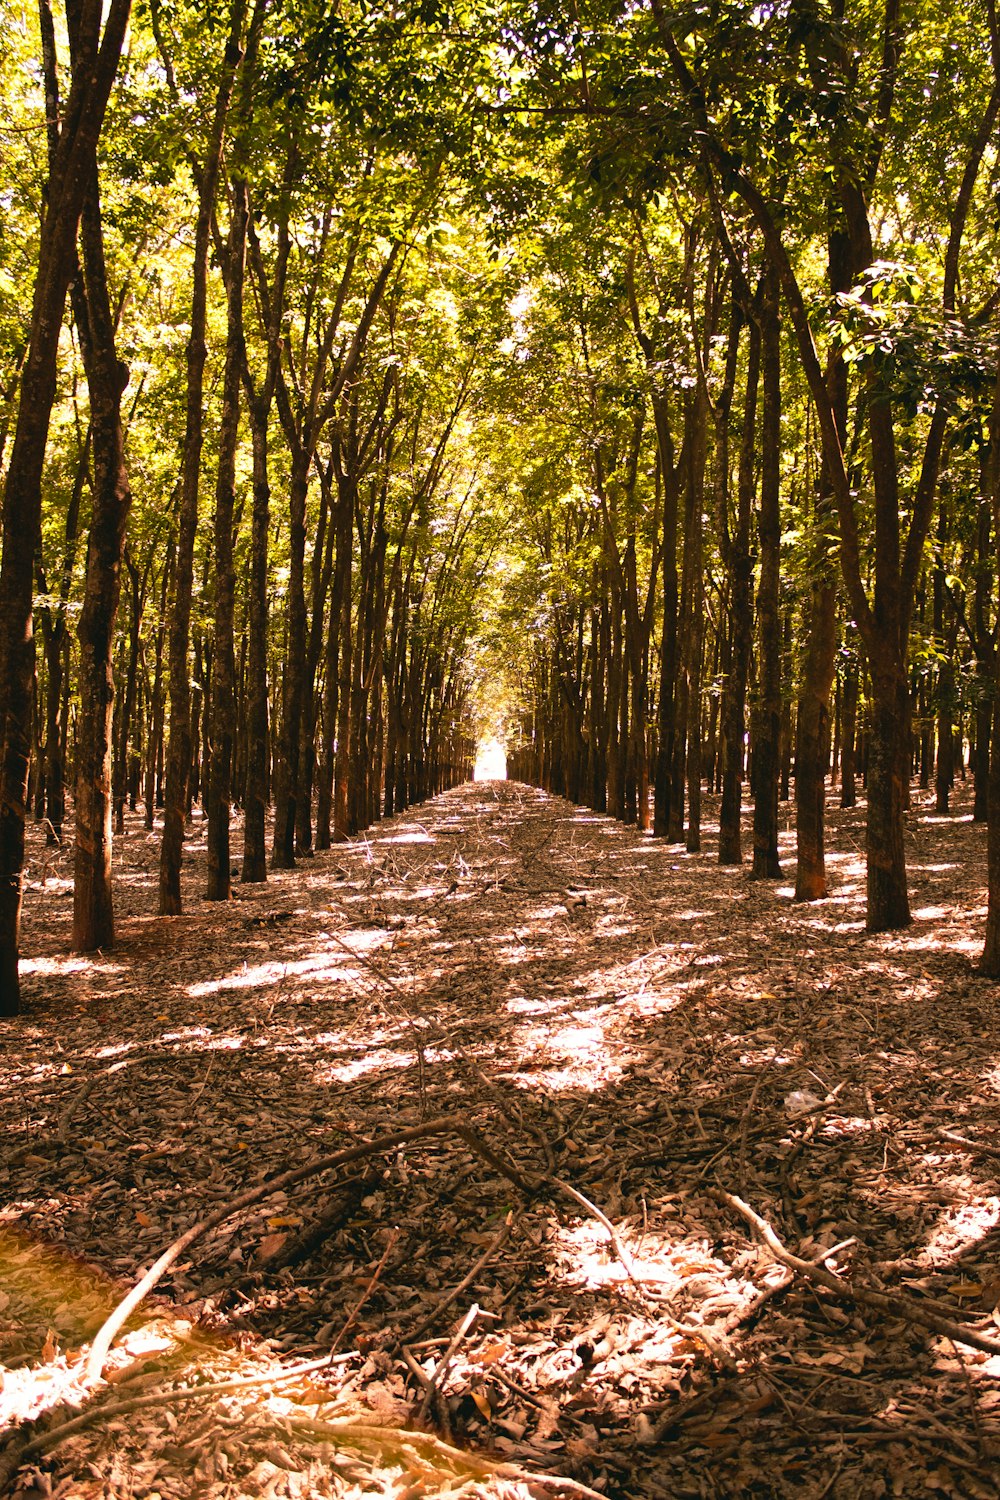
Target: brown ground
612	1016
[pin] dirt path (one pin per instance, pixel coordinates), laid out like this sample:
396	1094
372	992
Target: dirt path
613	1016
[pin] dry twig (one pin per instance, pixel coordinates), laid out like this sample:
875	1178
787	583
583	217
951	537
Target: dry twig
895	1305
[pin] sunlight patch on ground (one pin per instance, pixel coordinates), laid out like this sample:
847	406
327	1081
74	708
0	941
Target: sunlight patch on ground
261	976
520	1006
959	1230
72	964
764	1057
587	1259
53	885
371	1062
574	1055
205	1038
411	836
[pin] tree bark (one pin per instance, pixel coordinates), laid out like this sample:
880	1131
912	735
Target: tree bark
767	738
254	870
95	65
223	715
93	915
735	550
178	755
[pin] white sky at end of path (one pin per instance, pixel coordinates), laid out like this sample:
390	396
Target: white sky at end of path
491	762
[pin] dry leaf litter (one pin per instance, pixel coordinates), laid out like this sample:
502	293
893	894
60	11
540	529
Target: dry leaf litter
638	1040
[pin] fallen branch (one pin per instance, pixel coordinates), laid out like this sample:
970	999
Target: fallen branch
893	1304
47	1441
372	1283
967	1144
443	1125
75	1104
428	1449
428	1321
743	1314
441	1368
617	1243
333	1216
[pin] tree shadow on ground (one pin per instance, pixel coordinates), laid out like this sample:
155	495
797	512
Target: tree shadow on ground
610	1011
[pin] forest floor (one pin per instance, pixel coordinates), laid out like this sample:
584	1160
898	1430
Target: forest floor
562	1299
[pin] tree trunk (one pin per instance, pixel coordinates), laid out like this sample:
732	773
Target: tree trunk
72	164
178	755
322	572
848	738
666	706
342	596
293	673
739	568
989	963
254	870
93	919
120	779
767	738
224	653
888	777
154	744
693	548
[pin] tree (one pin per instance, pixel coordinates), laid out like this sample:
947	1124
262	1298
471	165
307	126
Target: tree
96	56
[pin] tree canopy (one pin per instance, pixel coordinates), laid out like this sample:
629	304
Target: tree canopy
374	378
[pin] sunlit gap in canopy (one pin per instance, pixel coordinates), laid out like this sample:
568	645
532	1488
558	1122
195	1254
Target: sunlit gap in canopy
491	761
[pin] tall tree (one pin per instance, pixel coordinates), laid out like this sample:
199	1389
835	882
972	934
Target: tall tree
95	64
178	756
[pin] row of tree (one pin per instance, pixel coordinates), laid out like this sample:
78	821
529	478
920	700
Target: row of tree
778	425
628	373
246	287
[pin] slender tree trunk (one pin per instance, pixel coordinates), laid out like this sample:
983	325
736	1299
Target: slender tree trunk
944	777
73	157
254	870
154	744
322	571
293	675
989	963
56	637
342	523
739	567
889	754
888	777
224	654
120	779
345	657
820	663
848	738
666	706
93	917
767	738
178	755
694	643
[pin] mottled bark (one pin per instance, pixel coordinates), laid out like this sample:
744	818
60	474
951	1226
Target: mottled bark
848	737
888	776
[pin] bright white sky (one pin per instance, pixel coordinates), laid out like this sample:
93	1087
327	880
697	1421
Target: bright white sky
491	762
